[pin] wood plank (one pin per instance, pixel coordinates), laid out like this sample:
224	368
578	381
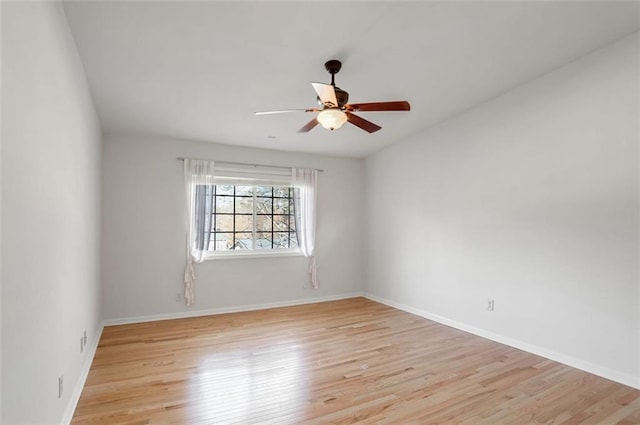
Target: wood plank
342	362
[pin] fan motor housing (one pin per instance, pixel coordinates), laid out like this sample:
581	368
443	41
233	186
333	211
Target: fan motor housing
341	96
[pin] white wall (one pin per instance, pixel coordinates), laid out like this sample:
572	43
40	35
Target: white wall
530	199
144	232
0	213
50	213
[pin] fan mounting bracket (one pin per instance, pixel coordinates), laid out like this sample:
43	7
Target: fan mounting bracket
333	66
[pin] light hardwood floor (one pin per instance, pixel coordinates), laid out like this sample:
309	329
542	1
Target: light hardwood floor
342	362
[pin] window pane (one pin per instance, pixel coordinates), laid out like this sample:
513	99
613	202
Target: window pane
244	223
293	240
244	241
263	191
281	192
281	223
224	241
263	241
224	223
263	205
244	205
224	204
281	240
224	189
244	190
263	223
281	206
233	219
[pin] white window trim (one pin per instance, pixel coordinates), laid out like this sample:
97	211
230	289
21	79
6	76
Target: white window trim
237	255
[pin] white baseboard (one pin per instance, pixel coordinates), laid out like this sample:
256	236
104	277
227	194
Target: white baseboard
235	309
82	379
613	375
604	372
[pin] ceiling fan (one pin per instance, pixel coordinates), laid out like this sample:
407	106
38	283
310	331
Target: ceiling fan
336	111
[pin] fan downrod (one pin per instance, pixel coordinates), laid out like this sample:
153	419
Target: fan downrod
333	67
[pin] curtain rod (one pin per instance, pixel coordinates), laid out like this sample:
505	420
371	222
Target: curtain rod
243	163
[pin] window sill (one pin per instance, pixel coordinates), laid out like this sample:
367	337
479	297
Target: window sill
236	255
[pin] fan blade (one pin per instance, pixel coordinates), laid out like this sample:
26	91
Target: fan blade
308	126
367	126
400	105
284	111
326	93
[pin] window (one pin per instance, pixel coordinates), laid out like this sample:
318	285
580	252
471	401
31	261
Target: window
243	210
249	218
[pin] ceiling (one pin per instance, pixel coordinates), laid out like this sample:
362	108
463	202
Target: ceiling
198	70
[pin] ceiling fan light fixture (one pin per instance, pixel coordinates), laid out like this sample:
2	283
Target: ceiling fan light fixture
332	118
335	110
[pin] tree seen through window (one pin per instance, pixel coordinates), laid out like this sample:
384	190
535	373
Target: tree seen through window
245	218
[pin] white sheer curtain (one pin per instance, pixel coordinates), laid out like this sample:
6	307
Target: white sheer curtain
304	183
198	177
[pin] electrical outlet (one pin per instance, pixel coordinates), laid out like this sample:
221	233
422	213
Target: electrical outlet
60	386
178	297
81	345
84	337
490	305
